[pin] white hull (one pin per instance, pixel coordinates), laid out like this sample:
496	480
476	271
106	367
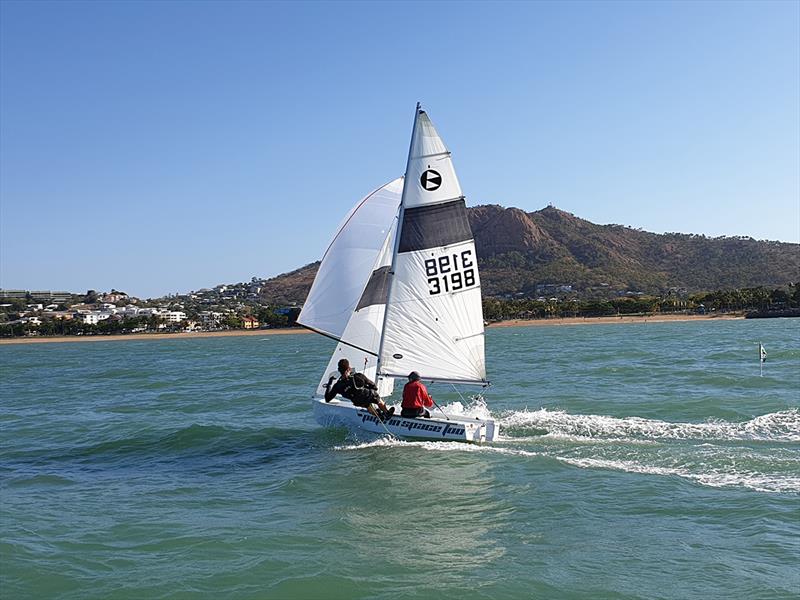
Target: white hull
459	429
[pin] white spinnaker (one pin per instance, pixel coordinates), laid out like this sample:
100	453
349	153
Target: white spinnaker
361	337
434	321
349	260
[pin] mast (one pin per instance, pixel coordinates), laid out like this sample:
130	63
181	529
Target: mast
397	240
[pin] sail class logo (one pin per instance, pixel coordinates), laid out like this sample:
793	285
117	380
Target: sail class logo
430	180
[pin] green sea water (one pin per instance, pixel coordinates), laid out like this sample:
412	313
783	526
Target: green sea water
637	461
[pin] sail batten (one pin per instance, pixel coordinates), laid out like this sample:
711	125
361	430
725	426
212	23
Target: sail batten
341	341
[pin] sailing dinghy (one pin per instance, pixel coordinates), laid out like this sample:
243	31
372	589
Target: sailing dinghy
399	290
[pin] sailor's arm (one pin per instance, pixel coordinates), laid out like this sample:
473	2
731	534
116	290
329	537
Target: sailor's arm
330	389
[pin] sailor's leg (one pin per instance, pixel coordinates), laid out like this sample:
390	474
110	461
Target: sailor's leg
380	411
387	412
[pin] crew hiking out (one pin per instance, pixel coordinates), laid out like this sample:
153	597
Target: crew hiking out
359	389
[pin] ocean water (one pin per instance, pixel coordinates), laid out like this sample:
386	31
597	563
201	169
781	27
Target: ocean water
637	461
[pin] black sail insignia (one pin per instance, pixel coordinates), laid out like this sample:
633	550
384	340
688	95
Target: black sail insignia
434	225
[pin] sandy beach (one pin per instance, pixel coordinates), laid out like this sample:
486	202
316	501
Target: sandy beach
152	336
297	330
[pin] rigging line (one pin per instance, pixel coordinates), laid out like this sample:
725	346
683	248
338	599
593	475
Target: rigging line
459	394
439	407
333	337
377	417
386	429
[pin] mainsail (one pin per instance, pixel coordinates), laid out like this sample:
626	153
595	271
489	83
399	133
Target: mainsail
433	318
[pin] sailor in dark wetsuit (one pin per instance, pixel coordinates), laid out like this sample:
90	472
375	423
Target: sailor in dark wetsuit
357	388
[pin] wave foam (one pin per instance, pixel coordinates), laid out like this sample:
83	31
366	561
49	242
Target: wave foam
759	482
781	426
631	445
475	408
711	477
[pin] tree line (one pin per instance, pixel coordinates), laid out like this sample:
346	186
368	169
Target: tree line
746	299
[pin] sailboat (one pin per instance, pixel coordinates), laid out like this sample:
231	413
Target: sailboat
398	289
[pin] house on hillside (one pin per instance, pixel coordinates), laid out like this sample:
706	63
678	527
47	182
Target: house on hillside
87	317
250	322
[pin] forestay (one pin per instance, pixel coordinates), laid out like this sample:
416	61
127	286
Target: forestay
434	319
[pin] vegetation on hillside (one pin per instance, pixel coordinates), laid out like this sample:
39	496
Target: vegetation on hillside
741	300
518	251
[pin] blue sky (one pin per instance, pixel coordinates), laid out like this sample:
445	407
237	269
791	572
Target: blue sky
159	147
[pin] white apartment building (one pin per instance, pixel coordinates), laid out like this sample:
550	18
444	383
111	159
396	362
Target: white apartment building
151	312
127	312
210	318
87	318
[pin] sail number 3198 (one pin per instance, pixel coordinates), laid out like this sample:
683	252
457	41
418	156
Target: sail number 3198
450	273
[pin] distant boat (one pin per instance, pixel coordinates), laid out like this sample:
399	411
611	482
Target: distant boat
398	289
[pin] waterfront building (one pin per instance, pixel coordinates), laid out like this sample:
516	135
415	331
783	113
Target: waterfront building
13	294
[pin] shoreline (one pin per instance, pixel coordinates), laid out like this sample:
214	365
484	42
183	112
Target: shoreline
151	336
654	318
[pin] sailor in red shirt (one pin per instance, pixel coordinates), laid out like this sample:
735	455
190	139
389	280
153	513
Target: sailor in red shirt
415	398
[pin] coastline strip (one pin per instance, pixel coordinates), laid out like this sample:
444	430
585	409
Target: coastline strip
152	336
655	318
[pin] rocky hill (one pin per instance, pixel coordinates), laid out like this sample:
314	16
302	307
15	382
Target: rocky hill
290	287
518	251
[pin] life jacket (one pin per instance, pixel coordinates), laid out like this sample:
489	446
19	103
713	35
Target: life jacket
356	388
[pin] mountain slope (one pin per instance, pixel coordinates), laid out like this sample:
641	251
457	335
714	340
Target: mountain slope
519	250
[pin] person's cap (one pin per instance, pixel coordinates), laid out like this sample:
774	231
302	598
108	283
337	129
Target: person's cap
413	376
